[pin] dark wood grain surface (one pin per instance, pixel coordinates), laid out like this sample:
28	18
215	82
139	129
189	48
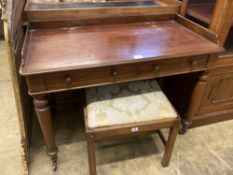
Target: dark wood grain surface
75	11
96	46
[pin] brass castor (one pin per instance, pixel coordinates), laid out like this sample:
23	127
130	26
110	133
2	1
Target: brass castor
53	156
54	166
182	131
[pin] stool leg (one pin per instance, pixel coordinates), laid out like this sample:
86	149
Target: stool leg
91	154
169	146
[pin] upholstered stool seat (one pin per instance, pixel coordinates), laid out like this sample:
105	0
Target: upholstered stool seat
128	109
127	103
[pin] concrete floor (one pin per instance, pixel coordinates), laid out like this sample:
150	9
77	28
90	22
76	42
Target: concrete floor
10	160
202	151
205	150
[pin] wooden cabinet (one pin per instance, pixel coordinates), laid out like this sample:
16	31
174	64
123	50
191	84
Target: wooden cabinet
217	102
219	91
212	95
12	12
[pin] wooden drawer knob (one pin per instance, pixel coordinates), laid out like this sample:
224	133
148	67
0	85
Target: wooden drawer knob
68	80
156	68
115	74
194	62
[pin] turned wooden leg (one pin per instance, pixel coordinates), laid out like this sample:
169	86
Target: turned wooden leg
195	102
170	145
91	154
44	116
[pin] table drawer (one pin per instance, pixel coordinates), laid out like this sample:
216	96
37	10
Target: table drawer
81	78
171	66
98	76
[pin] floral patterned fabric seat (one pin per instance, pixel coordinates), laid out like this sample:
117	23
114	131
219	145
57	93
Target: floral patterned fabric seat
127	103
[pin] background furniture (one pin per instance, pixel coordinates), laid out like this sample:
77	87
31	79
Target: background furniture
126	110
213	100
12	16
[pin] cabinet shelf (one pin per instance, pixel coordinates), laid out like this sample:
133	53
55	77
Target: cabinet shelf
228	45
201	11
228	53
204	12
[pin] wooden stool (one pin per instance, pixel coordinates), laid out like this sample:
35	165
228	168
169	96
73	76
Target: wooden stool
125	110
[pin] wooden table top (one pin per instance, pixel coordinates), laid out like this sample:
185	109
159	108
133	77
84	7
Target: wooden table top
95	46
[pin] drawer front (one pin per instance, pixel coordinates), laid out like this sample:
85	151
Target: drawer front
81	78
172	66
105	75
